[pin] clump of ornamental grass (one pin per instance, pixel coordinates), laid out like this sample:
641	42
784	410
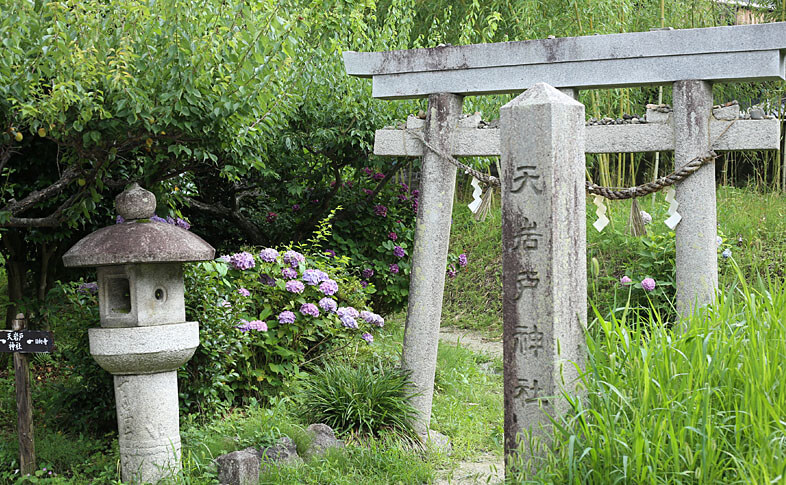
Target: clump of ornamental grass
702	402
362	399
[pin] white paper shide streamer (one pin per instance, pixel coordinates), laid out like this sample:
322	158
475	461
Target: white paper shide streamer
674	216
602	221
476	200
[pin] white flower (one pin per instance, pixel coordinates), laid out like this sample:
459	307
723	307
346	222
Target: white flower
645	217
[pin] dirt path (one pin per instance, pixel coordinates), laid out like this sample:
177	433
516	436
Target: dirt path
487	468
471	340
490	469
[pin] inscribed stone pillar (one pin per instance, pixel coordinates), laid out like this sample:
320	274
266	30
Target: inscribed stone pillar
544	256
697	257
429	255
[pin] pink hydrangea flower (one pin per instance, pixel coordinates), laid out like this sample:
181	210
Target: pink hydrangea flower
648	284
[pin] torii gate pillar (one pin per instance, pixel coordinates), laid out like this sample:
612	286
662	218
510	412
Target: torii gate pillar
430	253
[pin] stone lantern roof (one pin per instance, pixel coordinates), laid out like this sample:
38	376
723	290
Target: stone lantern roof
139	239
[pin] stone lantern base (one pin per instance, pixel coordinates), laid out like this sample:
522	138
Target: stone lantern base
144	362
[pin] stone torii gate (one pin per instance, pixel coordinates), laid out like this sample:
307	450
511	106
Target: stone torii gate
689	59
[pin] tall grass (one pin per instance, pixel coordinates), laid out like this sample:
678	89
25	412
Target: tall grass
704	406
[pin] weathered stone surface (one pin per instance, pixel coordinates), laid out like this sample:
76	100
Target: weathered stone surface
429	255
756	113
681	42
544	255
283	452
238	468
697	258
731	112
655	116
141	294
626	138
144	350
605	61
148	426
135	203
142	241
322	438
436	441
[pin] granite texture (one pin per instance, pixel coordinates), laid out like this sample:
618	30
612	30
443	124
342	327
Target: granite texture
429	255
148	426
144	350
544	256
147	294
697	255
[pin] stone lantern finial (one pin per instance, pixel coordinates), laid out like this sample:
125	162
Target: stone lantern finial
135	203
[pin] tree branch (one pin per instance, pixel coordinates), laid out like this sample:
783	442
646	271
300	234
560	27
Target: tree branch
69	175
249	228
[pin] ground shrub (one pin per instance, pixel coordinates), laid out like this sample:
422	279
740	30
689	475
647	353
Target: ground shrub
264	314
363	399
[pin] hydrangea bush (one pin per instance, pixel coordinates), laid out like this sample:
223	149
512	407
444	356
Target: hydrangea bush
264	314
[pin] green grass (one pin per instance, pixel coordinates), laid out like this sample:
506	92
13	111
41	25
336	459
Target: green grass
705	406
753	225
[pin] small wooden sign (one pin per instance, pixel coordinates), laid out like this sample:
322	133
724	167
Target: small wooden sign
25	341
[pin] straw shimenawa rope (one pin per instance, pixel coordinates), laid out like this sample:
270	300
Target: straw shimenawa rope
613	193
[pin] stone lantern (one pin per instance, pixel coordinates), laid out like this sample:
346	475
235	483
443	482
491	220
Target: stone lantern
144	337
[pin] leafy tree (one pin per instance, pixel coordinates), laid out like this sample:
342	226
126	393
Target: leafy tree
94	95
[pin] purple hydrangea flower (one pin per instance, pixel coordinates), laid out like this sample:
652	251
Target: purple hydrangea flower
91	288
452	271
328	304
348	310
223	259
367	273
398	252
348	321
404	187
242	261
119	220
381	210
379	176
289	273
225	304
368	191
330	253
364	283
416	193
257	325
402	197
293	258
648	284
309	309
169	220
367	337
286	317
415	206
182	224
368	171
267	280
296	207
314	277
243	292
463	260
372	318
392	236
394	268
268	255
155	218
295	286
271	217
625	281
328	287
